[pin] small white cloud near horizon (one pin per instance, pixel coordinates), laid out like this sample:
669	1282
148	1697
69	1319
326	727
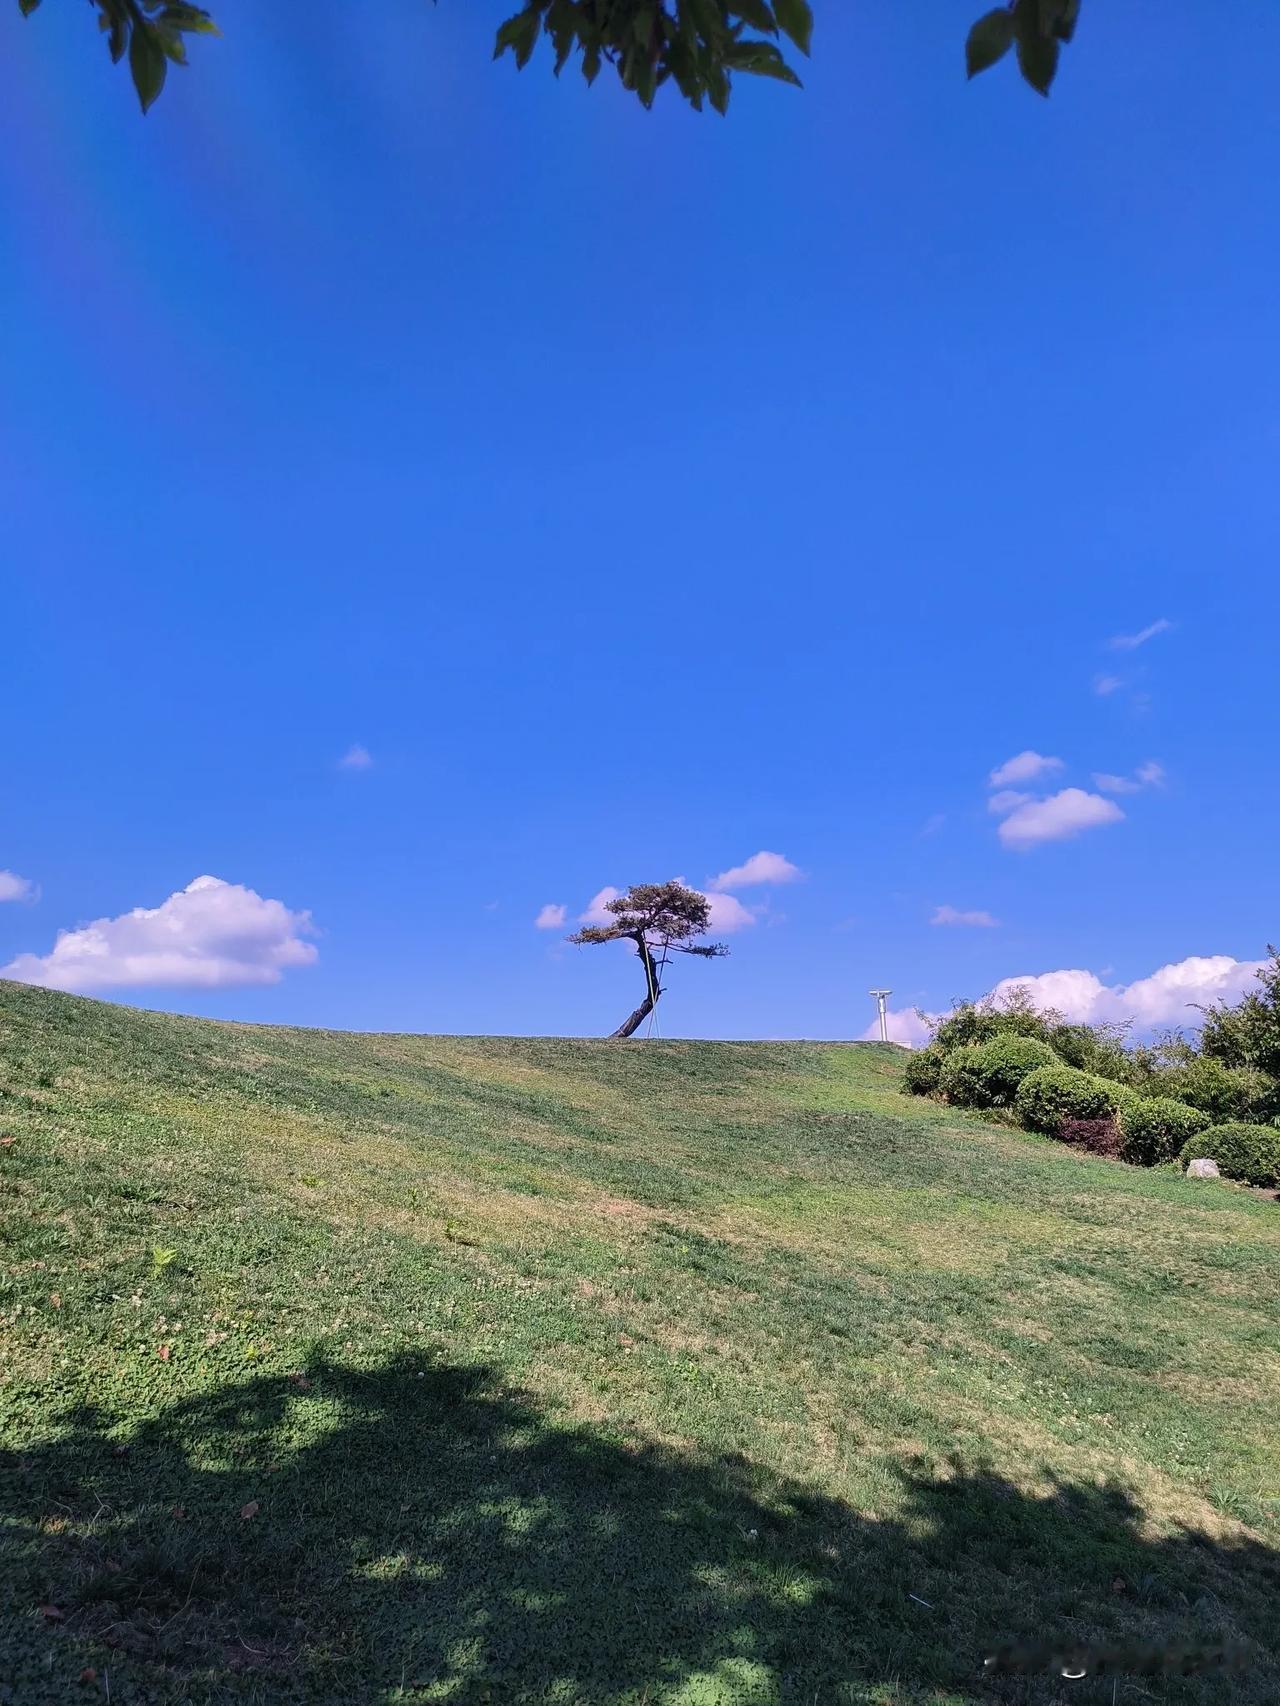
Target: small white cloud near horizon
1007	800
1023	767
1170	996
210	935
356	757
905	1025
953	915
1059	818
1131	642
759	868
1105	685
552	917
14	887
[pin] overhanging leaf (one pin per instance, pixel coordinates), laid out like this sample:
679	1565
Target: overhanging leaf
989	40
147	63
795	19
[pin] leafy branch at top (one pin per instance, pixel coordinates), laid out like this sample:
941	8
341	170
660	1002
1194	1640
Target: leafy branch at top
151	32
699	45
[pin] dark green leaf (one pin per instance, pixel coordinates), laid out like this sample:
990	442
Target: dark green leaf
760	59
1037	61
795	19
989	40
147	63
27	7
757	14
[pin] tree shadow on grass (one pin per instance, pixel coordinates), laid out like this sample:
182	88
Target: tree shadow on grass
412	1532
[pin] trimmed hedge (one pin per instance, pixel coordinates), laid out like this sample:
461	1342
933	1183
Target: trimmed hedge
987	1075
1154	1129
1052	1094
1249	1153
923	1070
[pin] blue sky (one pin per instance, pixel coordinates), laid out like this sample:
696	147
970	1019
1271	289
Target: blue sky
640	492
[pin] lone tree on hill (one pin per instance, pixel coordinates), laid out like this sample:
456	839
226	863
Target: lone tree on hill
661	919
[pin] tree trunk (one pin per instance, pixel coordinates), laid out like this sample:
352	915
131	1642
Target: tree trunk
631	1025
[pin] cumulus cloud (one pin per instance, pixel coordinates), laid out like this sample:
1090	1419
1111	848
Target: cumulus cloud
1058	818
210	935
1023	767
1131	642
727	913
552	917
597	907
1148	775
1105	685
951	915
1169	996
905	1026
759	868
1006	800
355	758
14	887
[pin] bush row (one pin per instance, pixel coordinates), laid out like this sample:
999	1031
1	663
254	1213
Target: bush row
976	1061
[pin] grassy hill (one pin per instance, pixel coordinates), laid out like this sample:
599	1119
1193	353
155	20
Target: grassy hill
406	1369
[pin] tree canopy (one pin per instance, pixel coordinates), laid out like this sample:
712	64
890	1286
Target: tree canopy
698	45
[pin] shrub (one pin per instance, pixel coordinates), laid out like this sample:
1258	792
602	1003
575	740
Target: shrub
987	1075
964	1025
1156	1127
923	1067
1052	1094
1099	1137
1229	1094
1093	1048
1250	1153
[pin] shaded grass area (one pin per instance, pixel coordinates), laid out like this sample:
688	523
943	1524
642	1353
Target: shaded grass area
564	1371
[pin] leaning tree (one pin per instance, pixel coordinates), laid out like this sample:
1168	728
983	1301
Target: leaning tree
661	919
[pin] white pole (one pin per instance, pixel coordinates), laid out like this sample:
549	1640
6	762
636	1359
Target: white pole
882	996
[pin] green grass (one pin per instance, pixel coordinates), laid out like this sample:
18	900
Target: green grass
404	1369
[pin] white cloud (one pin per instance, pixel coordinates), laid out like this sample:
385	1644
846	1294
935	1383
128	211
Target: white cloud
355	758
1024	767
950	915
1007	800
1148	775
14	887
552	917
759	868
932	825
597	912
1131	642
1169	996
1105	685
210	935
727	915
1058	818
905	1026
